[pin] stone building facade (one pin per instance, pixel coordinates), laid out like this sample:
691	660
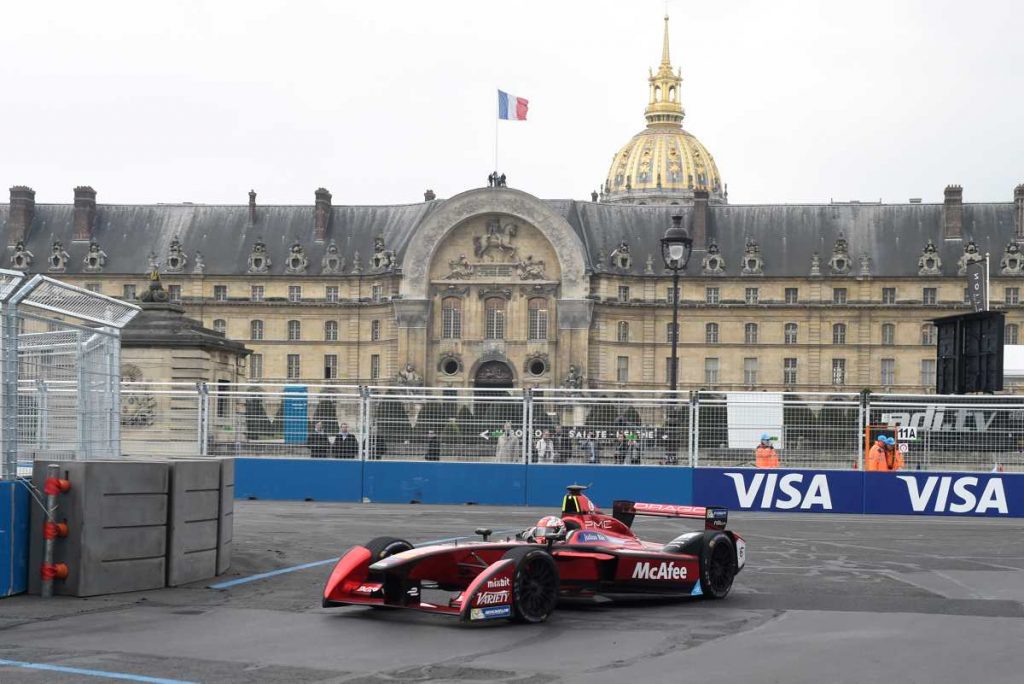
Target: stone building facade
496	287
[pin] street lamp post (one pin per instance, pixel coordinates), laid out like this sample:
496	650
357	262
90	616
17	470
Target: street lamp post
676	247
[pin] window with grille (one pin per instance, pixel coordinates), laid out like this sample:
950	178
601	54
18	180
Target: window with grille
331	294
623	293
623	335
330	366
792	295
294	293
888	295
789	333
888	334
174	293
672	295
256	293
495	322
622	369
255	366
377	293
839	333
838	371
220	325
929	295
839	295
330	331
375	367
128	292
538	319
1011	334
374	331
220	293
1011	295
294	331
789	371
750	371
928	372
928	334
888	372
671	331
751	295
94	287
668	370
294	367
750	333
711	371
451	318
711	295
711	333
255	330
967	295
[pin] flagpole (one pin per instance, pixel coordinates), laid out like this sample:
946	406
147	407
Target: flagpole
497	117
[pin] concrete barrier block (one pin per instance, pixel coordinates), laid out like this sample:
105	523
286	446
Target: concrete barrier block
194	520
226	527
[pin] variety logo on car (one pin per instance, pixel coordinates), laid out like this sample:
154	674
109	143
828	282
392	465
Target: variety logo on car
934	494
666	570
792	491
490	598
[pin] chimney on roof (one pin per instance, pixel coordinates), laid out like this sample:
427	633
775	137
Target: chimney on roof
593	196
322	215
1018	211
23	209
252	207
700	219
953	213
85	213
429	196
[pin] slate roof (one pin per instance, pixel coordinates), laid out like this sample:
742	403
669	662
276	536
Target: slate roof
893	235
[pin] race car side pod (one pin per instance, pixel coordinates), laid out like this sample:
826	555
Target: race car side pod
53	487
714	517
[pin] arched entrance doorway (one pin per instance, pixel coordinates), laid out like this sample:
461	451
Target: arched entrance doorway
493	375
494	408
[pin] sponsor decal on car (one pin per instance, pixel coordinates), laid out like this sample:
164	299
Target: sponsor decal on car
948	494
503	582
598	524
591	537
490	598
665	570
366	589
668	509
490	613
741	552
792	491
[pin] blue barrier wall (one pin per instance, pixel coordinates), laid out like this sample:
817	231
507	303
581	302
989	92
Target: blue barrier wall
296	479
995	494
664	484
501	484
14	530
800	491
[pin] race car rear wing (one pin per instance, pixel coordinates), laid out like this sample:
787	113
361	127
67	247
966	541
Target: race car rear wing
714	517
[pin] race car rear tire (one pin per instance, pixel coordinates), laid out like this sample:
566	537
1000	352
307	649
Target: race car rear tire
717	565
534	584
382	547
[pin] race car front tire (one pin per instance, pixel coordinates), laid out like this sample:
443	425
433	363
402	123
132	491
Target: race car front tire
534	584
717	565
382	547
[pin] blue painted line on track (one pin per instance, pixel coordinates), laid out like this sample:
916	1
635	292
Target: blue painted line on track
293	568
91	673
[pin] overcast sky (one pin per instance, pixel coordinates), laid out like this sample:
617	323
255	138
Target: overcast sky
798	101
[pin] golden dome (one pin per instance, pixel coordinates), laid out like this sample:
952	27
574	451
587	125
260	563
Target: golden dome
663	164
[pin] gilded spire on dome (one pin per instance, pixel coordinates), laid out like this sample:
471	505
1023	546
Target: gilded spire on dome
664	106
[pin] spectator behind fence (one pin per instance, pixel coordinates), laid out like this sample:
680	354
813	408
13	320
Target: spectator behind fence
508	445
345	444
433	451
318	442
765	455
621	448
544	448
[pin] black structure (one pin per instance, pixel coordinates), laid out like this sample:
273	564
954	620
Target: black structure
970	353
676	247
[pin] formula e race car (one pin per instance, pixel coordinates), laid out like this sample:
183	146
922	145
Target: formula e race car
582	553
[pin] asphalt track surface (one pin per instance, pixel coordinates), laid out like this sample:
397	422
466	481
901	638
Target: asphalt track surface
824	599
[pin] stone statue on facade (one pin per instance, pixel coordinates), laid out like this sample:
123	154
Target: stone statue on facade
22	258
382	259
332	261
713	263
815	264
200	266
1012	262
460	268
496	238
95	259
753	263
620	257
58	258
408	377
296	262
259	260
970	256
929	263
865	264
573	379
176	258
530	268
839	264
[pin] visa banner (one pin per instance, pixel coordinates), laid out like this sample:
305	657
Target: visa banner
777	489
932	493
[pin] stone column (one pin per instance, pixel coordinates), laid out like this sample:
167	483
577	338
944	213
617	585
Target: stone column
412	318
574	319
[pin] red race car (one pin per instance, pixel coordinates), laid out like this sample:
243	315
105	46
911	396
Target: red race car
581	553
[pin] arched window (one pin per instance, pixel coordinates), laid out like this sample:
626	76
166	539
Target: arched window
839	333
331	331
1012	334
888	335
750	333
256	330
220	325
451	318
657	93
294	331
789	333
623	331
711	333
538	321
494	325
672	94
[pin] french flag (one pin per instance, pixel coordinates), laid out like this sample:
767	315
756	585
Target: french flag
512	108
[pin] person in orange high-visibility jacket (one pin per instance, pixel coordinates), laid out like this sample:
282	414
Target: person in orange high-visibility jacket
893	456
875	459
765	455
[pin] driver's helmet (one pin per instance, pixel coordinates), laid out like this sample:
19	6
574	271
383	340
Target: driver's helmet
549	526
